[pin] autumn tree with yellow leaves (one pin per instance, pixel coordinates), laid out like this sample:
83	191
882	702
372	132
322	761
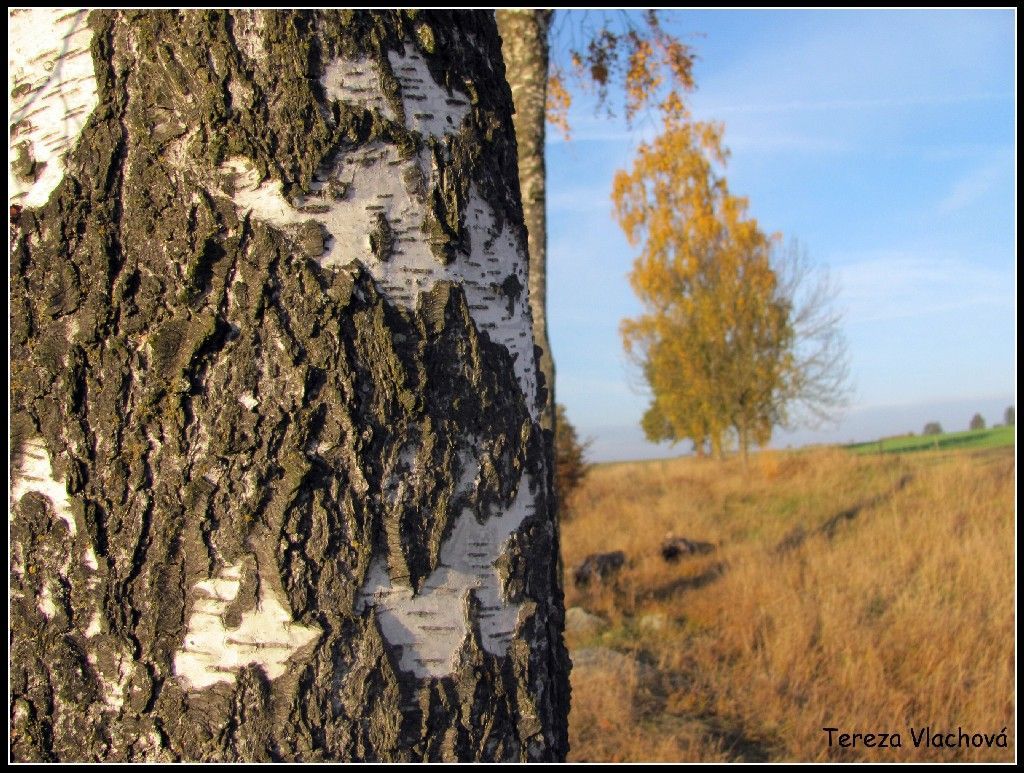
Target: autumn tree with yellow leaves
729	344
655	72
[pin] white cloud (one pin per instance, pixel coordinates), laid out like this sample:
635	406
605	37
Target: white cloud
580	198
890	284
812	105
842	81
588	123
767	139
973	186
845	59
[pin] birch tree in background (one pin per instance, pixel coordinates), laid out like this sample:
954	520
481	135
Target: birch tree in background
524	35
279	489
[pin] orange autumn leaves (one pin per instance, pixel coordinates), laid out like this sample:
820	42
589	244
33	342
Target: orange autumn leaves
715	343
645	60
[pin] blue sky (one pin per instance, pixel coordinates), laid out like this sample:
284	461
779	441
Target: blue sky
885	142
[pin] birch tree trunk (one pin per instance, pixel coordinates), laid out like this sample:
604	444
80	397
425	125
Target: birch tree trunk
524	46
279	489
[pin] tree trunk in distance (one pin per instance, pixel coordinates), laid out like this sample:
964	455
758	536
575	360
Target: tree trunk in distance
279	489
524	46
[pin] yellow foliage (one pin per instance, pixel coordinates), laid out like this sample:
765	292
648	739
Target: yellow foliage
641	75
644	59
715	341
557	102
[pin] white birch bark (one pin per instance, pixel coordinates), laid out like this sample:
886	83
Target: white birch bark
279	487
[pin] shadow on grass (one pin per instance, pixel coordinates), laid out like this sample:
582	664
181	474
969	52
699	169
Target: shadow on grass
697	582
737	743
829	527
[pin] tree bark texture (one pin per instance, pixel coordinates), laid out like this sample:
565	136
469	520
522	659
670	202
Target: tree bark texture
279	489
524	46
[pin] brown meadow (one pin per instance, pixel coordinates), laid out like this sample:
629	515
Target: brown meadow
869	594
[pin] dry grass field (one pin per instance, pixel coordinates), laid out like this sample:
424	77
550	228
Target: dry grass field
866	593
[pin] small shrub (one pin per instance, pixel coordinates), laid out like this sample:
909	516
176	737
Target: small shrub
571	466
932	428
977	422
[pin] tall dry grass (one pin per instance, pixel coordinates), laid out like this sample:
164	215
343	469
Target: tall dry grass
901	616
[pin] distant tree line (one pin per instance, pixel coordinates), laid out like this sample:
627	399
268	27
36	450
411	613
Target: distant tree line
977	422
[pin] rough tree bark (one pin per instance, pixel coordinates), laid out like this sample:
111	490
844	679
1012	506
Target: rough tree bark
524	46
279	486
